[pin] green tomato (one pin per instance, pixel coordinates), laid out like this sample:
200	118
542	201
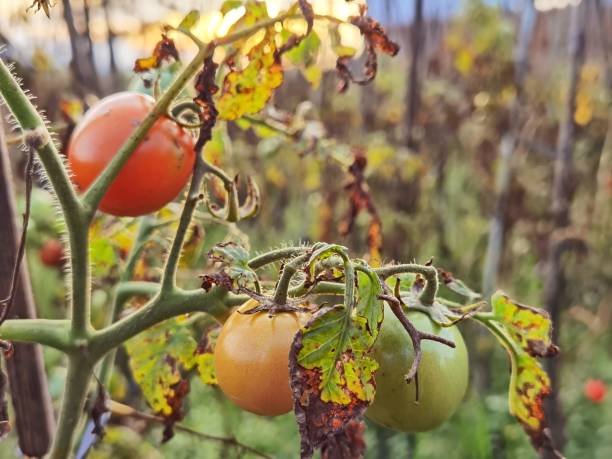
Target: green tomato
443	375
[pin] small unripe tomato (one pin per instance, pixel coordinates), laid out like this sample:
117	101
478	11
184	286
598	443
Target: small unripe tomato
157	170
595	390
443	375
252	359
52	253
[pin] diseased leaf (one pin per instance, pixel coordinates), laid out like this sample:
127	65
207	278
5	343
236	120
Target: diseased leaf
204	356
530	327
156	358
332	375
165	50
45	5
235	270
369	306
255	11
248	90
529	385
190	20
347	443
374	34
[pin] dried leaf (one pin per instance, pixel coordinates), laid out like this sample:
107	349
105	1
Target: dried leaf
45	5
457	285
204	356
346	444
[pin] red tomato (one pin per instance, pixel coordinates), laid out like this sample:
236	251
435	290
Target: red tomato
52	253
157	170
595	390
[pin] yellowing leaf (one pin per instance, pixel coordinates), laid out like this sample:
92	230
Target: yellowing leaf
246	91
529	327
156	356
313	74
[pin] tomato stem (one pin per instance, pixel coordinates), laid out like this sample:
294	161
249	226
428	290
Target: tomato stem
430	273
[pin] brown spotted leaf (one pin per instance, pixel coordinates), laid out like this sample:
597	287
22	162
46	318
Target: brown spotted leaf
332	375
164	50
346	444
525	333
235	272
529	327
246	91
157	356
204	355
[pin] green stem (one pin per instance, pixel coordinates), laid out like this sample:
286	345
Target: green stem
274	256
157	310
430	273
53	333
280	294
76	223
77	384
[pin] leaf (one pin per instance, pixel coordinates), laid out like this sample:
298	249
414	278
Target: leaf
346	444
306	51
248	90
530	327
457	285
331	374
369	306
313	75
45	5
204	356
374	34
190	20
235	270
255	11
229	5
156	357
529	385
164	50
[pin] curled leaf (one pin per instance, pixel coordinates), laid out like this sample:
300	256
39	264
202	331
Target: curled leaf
235	271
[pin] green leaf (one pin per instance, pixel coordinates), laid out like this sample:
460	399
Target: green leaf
190	20
530	327
156	357
248	90
103	256
313	75
369	306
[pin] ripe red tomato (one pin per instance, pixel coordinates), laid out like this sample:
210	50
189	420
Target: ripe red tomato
595	390
252	359
157	170
52	253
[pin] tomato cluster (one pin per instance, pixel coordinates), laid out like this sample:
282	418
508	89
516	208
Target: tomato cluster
252	356
157	170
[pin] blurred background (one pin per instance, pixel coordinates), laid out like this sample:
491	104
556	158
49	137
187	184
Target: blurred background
462	131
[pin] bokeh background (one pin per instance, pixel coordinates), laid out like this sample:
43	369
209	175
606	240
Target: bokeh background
461	131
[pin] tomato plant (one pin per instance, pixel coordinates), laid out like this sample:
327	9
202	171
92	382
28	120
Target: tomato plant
442	376
132	154
252	357
156	172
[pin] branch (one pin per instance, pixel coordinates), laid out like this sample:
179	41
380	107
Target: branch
52	333
119	409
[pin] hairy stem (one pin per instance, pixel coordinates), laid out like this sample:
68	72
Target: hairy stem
77	384
274	256
52	333
282	288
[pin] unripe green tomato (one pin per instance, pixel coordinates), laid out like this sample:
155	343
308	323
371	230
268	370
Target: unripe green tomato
443	375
